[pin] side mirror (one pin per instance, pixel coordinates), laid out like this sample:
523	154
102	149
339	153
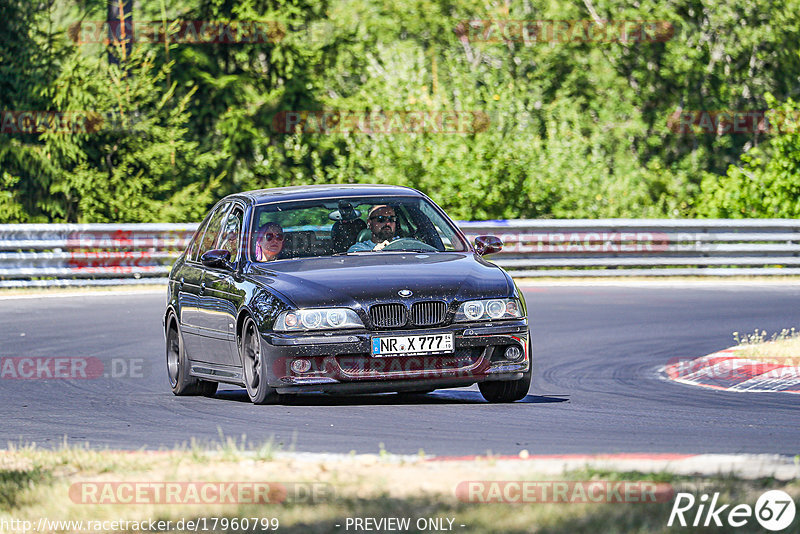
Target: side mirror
217	259
487	244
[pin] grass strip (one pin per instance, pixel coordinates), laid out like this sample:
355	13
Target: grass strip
322	495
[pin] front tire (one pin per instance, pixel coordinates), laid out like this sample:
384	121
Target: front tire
254	365
506	390
180	381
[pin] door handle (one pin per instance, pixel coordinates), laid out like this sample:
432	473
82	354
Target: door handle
180	285
202	288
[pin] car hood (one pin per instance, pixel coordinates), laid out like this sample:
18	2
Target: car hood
369	278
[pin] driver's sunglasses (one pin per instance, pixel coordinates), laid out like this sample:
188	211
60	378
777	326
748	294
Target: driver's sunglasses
384	218
270	236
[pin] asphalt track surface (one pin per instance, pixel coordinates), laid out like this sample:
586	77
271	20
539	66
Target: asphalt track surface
595	388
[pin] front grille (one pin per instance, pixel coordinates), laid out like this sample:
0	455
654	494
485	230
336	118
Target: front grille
388	315
428	313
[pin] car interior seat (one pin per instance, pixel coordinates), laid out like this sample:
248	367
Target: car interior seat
364	235
344	234
298	244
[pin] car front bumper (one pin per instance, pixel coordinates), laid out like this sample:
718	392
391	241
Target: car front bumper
342	362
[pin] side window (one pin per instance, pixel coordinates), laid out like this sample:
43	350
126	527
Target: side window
231	231
212	230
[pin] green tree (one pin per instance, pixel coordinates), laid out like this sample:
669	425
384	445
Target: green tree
767	181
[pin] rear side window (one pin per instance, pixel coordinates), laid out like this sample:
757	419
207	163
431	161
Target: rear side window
194	245
231	231
212	230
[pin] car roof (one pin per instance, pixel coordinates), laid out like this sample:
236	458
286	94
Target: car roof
310	192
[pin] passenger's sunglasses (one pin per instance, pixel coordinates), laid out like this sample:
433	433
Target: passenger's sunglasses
384	218
269	236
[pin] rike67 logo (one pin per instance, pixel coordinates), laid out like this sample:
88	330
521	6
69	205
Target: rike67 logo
774	510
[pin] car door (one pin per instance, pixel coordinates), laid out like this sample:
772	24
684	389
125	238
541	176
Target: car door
188	280
221	296
198	343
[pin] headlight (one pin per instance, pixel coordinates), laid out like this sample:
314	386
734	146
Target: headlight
317	319
488	310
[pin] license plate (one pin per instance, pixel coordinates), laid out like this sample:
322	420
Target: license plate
412	345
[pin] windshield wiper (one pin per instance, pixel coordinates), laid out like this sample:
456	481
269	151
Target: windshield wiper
349	253
417	250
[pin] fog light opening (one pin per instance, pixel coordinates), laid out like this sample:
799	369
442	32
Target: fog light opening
513	353
301	365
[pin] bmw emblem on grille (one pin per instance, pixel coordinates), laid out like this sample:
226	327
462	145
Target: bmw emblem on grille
405	293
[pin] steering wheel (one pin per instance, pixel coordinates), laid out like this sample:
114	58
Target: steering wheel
409	243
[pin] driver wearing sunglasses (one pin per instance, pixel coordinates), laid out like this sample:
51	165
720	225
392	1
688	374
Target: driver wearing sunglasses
269	242
382	222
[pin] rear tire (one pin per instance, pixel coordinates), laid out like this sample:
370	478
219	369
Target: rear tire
254	365
180	381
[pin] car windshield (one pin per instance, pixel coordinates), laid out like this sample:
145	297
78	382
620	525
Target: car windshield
363	225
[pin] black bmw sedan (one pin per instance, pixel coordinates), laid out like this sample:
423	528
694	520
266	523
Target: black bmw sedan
342	290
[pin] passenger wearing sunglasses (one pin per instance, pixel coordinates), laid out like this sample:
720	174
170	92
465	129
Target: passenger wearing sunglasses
269	242
382	222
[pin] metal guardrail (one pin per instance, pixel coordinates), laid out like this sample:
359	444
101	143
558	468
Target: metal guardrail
112	254
33	255
645	247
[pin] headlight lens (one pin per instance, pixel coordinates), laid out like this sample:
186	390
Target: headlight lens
473	310
496	309
336	318
311	319
490	309
317	319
